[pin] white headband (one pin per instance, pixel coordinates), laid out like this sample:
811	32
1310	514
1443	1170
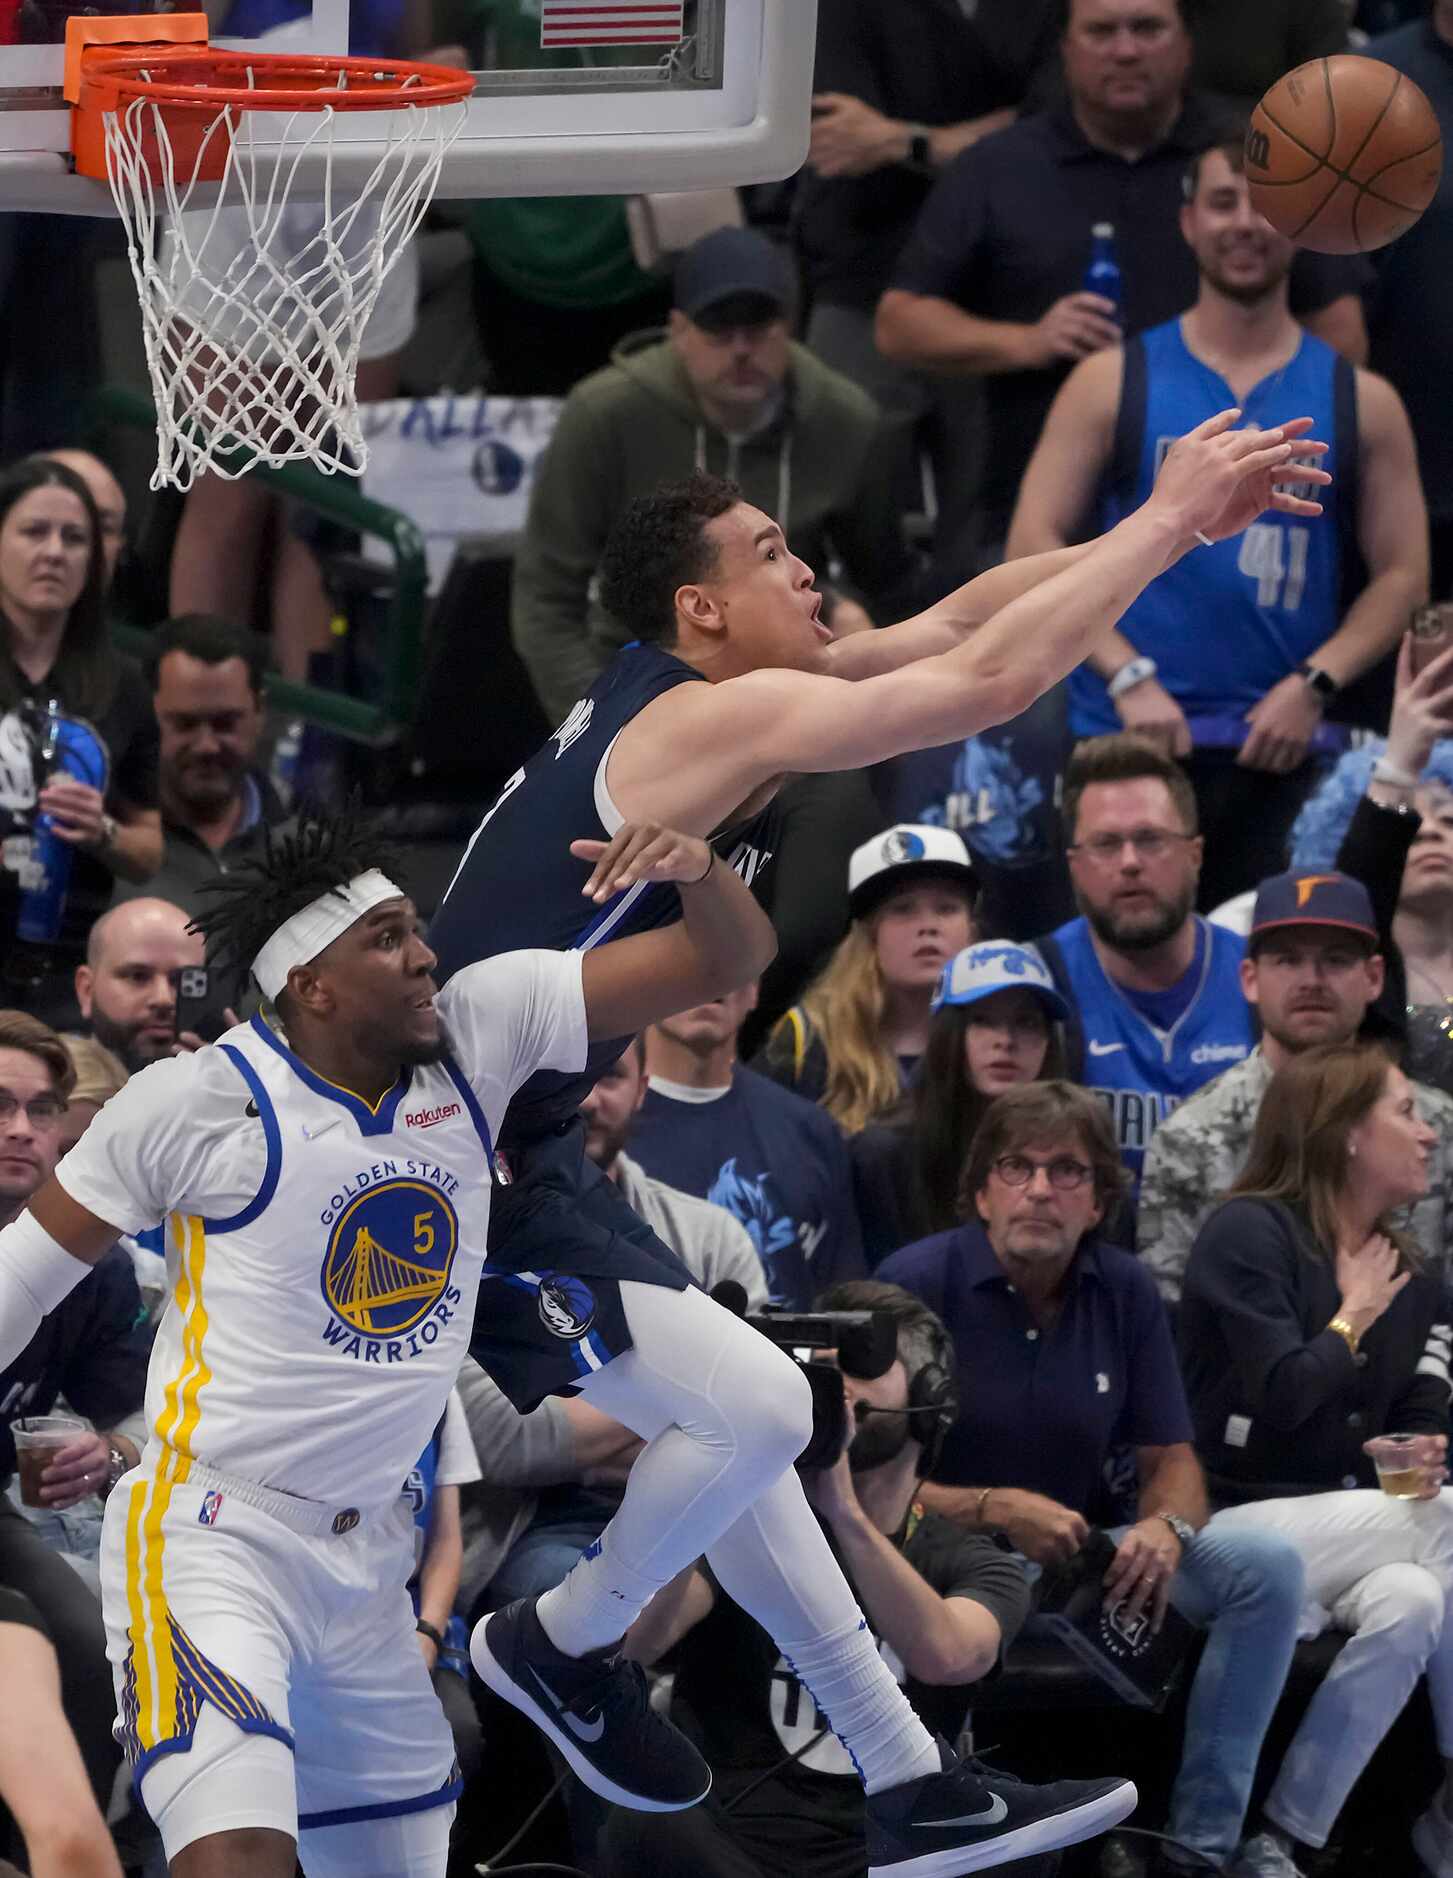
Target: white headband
302	937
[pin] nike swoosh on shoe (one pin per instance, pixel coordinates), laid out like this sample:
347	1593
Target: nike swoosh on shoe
990	1816
579	1726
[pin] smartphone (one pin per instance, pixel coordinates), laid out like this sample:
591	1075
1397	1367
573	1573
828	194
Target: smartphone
200	1003
1432	630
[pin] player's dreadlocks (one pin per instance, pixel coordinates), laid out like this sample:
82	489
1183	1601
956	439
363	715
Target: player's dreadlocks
313	855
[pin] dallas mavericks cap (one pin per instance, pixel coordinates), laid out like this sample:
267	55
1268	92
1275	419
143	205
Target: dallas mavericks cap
979	971
1313	900
733	264
903	853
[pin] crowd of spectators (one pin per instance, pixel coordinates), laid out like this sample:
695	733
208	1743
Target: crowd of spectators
1109	1053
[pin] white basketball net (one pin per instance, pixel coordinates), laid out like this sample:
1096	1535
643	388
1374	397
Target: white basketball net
253	307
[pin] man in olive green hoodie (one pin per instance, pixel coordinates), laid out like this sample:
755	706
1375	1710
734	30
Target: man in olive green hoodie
725	390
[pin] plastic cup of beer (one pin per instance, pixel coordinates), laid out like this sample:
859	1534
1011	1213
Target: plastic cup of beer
1402	1464
38	1439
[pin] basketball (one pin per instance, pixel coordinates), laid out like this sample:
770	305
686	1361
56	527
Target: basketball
1343	154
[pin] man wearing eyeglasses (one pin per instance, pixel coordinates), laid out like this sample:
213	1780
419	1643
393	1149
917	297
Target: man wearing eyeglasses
1156	990
1065	1359
93	1351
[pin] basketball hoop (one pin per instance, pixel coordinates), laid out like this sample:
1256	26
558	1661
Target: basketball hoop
257	268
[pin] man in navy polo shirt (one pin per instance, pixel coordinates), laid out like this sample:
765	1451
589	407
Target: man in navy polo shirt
1065	1358
1156	991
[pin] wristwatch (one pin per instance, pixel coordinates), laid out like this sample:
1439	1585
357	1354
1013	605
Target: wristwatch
1183	1529
1132	673
1323	685
920	147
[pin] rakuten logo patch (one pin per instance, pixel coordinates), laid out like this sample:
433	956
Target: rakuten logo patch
426	1118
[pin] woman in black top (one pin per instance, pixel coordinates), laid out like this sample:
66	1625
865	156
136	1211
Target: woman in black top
1310	1324
64	839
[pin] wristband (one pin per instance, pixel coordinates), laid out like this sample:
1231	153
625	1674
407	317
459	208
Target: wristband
979	1509
1205	540
1384	771
426	1629
701	877
1134	672
36	1274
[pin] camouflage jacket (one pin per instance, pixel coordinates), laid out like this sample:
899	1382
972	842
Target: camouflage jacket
1198	1151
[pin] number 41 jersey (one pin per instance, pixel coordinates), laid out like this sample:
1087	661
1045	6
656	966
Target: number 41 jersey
1228	622
323	1255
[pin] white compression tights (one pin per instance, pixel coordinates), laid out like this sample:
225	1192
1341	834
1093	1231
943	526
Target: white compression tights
724	1415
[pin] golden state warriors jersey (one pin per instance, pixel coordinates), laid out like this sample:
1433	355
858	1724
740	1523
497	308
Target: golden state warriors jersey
323	1255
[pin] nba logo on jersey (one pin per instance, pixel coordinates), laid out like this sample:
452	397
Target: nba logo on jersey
211	1506
567	1306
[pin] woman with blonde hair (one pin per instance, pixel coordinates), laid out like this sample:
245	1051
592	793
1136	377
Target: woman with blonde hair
1309	1325
99	1076
854	1040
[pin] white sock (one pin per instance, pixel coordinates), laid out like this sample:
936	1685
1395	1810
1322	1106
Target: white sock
855	1690
596	1602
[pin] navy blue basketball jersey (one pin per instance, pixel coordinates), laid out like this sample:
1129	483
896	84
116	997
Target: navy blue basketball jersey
1228	622
518	884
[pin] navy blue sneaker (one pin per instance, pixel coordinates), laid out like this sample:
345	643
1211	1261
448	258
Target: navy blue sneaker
971	1817
595	1708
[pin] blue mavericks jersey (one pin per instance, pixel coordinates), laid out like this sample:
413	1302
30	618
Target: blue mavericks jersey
519	885
1144	1072
1226	623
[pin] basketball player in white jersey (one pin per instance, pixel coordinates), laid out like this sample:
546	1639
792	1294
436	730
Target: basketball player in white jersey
325	1175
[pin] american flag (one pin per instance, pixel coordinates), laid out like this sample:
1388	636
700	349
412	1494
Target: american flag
611	22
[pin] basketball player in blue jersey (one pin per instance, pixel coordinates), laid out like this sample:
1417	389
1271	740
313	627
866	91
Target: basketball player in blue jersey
732	684
1302	608
325	1175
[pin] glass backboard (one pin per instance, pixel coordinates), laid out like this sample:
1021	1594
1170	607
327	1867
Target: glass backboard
571	97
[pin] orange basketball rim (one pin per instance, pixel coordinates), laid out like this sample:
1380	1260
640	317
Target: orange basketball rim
164	60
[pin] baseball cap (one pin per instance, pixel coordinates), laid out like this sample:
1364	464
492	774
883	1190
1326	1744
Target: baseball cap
979	971
1307	899
733	264
880	866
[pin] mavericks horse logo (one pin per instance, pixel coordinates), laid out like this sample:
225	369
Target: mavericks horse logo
567	1306
389	1257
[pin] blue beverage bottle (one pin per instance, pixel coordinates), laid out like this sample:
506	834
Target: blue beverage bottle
1102	276
59	746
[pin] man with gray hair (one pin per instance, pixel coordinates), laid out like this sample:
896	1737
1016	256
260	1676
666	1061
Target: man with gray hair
1066	1359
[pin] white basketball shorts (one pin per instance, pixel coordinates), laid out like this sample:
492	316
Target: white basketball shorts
240	1616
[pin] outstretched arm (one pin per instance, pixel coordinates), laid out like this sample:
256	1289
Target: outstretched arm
948	622
722	939
747	730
